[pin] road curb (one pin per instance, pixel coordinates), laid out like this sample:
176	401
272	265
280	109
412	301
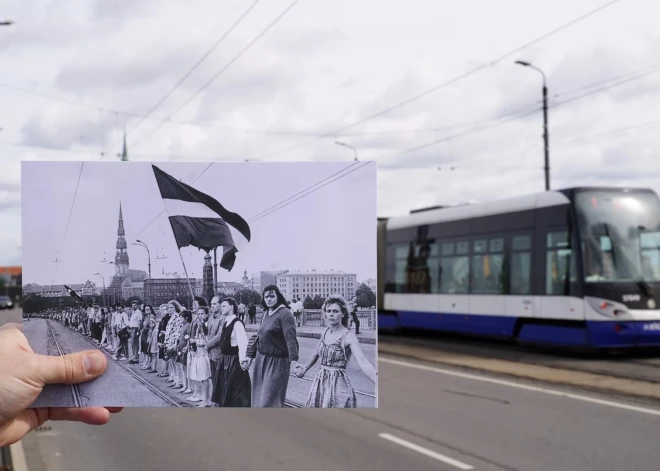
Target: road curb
315	335
591	381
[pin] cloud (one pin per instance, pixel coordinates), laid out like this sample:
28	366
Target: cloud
320	70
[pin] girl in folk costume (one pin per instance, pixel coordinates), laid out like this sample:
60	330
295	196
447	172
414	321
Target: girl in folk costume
172	334
153	345
145	335
332	387
275	347
232	380
181	359
200	368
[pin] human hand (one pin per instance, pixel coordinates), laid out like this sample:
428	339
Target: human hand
23	374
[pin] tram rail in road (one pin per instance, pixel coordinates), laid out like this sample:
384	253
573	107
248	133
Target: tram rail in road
146	383
77	401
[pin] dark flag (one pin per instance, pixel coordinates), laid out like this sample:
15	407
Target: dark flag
199	220
73	294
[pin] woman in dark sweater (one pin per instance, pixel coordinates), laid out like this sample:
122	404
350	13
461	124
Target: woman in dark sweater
276	351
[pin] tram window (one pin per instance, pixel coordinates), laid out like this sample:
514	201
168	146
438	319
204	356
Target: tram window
560	264
496	245
401	252
650	247
488	274
479	246
521	270
448	249
455	275
462	248
521	243
400	275
400	266
521	265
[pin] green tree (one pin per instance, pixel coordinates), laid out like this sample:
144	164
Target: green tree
308	303
365	297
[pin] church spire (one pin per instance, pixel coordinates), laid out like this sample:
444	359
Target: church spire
124	154
121	258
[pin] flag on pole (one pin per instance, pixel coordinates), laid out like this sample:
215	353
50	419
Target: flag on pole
199	220
73	294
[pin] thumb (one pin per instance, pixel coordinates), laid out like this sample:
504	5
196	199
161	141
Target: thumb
74	368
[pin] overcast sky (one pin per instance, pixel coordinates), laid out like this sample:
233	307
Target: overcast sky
91	66
324	230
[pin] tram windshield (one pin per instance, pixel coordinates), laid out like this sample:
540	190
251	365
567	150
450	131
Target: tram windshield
620	234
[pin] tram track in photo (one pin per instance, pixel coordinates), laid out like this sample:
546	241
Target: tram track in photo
173	402
75	390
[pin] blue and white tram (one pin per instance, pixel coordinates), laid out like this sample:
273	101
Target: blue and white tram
577	267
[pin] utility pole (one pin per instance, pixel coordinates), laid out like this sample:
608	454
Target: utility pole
546	140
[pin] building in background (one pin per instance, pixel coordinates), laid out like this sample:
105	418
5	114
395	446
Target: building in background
159	291
11	276
312	283
229	287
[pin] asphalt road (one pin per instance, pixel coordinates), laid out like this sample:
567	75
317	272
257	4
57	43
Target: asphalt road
427	419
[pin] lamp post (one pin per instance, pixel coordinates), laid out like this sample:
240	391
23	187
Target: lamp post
545	122
343	144
6	23
98	274
142	244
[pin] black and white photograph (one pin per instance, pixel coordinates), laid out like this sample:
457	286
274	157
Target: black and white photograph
205	284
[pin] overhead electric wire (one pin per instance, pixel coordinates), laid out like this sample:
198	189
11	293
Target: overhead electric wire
563	144
292	196
617	82
82	164
223	70
445	84
197	64
312	191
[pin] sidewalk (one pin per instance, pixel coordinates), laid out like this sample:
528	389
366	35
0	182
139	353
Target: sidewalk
314	331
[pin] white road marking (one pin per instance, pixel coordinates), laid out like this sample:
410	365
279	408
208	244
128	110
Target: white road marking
425	451
511	384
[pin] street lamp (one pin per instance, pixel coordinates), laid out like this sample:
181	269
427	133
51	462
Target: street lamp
6	23
545	123
98	274
142	244
343	144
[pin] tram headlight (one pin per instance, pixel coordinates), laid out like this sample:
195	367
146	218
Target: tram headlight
606	307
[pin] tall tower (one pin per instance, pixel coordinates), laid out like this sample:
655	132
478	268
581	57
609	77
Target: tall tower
124	153
121	259
207	280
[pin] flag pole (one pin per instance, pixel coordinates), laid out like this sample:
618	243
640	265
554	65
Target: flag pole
215	271
192	294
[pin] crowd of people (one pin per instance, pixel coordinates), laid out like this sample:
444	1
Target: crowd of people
206	353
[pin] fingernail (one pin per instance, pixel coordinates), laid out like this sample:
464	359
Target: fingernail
93	363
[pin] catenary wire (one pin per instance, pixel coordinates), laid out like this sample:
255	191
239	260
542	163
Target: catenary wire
445	84
223	70
197	64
